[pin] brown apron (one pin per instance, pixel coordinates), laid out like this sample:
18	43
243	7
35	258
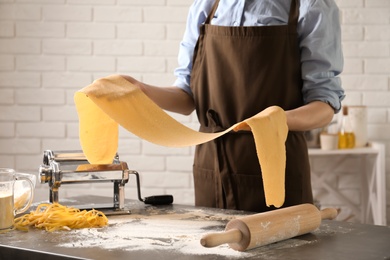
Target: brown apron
238	72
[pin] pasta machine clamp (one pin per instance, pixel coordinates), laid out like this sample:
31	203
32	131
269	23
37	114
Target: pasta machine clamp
72	167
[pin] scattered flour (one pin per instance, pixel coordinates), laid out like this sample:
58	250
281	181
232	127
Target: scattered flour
135	232
330	230
177	232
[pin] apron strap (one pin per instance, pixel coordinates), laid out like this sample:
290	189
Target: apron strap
294	15
212	12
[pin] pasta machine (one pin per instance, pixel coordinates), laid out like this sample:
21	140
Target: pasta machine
71	167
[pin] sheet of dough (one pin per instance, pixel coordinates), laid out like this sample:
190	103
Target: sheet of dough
113	100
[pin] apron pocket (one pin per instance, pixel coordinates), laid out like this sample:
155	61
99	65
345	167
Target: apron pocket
249	192
207	187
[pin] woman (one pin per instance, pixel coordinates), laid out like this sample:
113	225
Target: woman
238	58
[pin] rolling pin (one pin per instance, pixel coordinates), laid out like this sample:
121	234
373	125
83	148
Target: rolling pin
265	228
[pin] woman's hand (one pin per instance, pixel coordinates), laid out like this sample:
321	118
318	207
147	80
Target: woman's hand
313	115
171	98
310	116
133	81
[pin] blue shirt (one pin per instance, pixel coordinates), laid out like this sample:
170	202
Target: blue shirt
319	40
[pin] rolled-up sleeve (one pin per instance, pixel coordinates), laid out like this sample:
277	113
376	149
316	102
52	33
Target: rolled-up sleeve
196	16
321	53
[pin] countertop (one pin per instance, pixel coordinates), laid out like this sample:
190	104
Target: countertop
174	231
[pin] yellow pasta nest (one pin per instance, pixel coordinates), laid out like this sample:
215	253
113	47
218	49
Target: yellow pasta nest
52	217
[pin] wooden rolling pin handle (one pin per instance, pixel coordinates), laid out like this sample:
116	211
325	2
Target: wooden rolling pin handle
216	239
329	213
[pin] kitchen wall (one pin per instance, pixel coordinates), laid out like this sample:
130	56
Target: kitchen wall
51	48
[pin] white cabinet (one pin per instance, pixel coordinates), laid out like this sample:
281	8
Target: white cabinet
369	163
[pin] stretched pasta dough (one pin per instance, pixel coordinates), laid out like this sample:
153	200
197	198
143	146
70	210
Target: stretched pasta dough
113	100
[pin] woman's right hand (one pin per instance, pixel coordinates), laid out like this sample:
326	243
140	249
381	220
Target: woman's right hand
133	81
170	98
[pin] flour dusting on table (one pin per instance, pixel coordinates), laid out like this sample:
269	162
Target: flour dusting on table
174	232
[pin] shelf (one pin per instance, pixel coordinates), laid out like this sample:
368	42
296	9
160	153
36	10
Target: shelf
373	180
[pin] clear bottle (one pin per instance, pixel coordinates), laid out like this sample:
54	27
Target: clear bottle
346	135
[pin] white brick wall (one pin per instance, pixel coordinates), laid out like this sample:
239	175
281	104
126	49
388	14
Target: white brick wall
366	78
51	48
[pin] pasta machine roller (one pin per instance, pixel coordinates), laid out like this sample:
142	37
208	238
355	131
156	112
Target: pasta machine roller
72	167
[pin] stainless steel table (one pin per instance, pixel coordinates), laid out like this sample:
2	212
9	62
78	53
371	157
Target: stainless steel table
173	232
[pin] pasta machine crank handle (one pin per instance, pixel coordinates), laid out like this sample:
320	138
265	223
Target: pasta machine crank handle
153	200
